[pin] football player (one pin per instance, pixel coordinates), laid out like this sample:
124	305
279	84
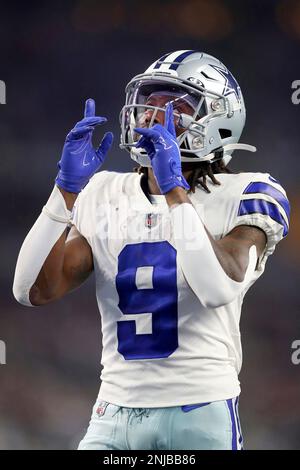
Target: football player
174	246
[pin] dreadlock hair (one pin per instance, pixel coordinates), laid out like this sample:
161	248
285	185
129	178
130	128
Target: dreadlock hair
200	172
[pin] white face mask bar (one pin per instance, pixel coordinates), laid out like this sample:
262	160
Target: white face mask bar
37	245
129	112
132	137
199	262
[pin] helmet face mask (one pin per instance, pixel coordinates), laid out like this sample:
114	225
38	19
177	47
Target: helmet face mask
209	111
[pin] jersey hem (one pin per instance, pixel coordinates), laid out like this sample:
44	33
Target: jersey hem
109	398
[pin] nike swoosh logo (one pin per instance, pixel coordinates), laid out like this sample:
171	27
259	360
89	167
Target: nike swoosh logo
84	162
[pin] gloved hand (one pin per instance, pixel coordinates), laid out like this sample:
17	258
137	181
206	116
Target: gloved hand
162	148
79	160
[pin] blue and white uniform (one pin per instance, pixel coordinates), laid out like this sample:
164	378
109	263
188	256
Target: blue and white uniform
161	347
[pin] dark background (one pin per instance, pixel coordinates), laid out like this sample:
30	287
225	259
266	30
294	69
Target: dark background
52	57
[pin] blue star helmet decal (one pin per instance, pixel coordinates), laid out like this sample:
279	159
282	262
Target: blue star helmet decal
231	85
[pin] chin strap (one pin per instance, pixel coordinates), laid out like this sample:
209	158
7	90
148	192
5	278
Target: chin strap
145	161
248	147
225	148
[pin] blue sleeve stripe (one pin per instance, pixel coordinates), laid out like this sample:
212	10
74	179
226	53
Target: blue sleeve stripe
269	190
260	206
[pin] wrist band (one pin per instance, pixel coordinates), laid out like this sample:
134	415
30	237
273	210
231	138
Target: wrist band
57	218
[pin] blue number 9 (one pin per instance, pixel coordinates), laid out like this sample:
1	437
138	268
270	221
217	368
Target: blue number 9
157	297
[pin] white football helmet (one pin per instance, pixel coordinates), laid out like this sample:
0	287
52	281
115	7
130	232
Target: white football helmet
213	128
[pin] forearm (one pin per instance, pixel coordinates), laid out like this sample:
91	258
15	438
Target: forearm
46	285
232	263
42	249
177	196
40	265
50	276
208	266
69	198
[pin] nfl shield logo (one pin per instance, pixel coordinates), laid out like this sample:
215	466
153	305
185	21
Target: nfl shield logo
101	408
151	220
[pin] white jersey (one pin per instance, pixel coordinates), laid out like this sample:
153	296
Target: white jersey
161	347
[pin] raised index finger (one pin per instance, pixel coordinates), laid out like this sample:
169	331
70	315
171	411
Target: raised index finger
89	110
169	119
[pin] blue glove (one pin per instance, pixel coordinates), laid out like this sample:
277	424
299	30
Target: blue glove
79	160
162	148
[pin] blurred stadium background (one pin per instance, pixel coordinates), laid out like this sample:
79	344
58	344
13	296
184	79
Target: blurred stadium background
53	57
